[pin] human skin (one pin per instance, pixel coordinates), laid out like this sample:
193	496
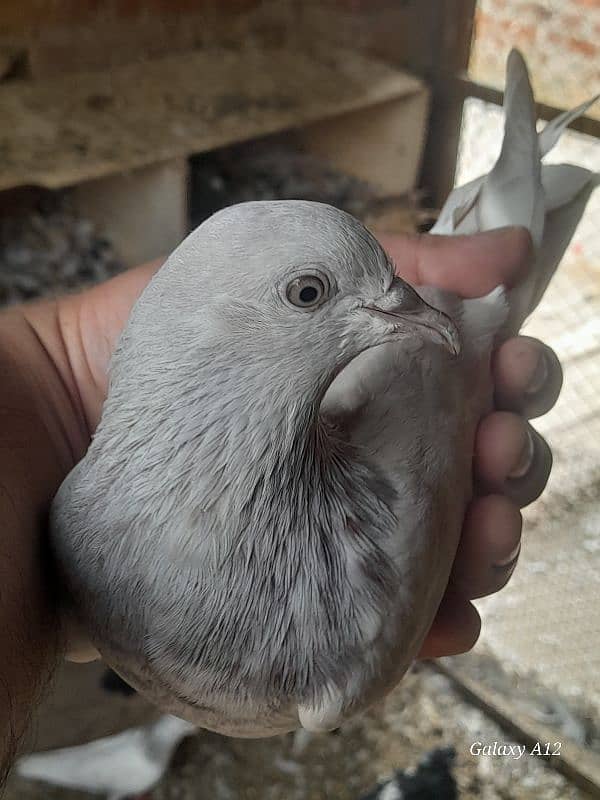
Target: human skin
54	359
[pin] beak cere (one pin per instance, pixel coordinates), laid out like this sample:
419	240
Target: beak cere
437	325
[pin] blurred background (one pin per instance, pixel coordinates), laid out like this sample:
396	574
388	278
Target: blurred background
125	123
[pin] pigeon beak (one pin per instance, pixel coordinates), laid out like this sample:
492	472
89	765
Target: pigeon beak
406	310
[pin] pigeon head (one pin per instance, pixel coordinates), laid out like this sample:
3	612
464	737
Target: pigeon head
287	294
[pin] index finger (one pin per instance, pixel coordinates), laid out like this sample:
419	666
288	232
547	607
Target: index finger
470	266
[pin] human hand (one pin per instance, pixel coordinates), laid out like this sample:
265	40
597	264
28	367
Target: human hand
49	405
511	461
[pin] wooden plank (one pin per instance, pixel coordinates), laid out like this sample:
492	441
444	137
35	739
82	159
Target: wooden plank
451	45
144	212
72	36
83	126
381	144
430	38
32	15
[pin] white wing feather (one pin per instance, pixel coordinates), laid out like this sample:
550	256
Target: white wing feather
548	200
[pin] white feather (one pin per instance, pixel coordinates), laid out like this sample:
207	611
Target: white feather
128	763
546	199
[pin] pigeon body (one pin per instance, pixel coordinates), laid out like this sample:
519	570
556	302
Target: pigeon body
264	524
252	549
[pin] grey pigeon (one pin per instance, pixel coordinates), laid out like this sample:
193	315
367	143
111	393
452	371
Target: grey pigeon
263	527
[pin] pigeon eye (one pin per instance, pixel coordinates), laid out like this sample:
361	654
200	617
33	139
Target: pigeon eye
307	291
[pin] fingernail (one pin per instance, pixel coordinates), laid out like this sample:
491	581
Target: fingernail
512	557
540	375
525	459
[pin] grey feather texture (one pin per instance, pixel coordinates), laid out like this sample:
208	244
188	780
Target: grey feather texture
263	527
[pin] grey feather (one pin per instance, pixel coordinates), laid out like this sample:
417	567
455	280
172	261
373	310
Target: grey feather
556	127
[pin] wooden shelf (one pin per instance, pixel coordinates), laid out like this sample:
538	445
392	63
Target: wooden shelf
83	126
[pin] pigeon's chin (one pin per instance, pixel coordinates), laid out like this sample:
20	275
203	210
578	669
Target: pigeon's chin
367	371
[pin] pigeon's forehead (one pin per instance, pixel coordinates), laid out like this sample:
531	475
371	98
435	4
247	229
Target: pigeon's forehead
261	240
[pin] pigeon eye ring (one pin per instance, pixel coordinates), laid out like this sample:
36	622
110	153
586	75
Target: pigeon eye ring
308	291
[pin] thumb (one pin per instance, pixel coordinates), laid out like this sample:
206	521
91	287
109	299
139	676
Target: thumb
469	266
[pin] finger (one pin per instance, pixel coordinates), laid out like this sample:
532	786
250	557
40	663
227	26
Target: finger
489	546
527	376
455	628
468	265
511	458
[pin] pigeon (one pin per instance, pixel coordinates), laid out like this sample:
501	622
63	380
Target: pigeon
118	766
262	529
431	780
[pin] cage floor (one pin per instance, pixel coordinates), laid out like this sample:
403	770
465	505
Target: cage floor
423	713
